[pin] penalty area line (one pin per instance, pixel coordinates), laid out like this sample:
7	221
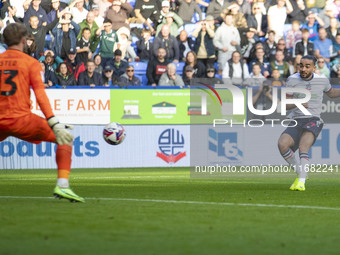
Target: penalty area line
190	202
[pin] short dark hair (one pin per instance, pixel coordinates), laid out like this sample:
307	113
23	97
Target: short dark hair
14	33
310	57
107	21
85	29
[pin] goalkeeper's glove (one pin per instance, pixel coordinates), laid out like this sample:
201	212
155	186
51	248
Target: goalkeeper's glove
62	135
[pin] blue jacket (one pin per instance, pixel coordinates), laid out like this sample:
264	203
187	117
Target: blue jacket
58	37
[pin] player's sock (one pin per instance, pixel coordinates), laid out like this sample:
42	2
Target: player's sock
289	156
304	158
63	158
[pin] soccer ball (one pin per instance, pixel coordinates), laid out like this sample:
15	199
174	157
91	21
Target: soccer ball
114	133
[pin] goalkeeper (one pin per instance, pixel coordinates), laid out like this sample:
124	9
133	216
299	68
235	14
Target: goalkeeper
19	72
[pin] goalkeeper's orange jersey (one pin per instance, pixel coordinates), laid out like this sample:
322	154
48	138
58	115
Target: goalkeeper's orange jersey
19	72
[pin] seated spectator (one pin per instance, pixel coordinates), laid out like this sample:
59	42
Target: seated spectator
293	36
235	70
90	23
65	37
276	80
186	10
53	12
197	67
168	42
277	15
170	78
188	75
304	46
33	8
313	24
143	10
263	62
204	47
74	65
158	15
210	76
118	64
128	78
258	20
280	64
128	52
156	67
226	39
108	39
255	77
322	68
97	18
281	46
78	11
323	47
173	21
247	42
270	45
216	7
109	78
333	29
299	13
239	19
145	46
118	14
31	47
64	76
51	61
49	77
83	46
185	44
90	77
97	61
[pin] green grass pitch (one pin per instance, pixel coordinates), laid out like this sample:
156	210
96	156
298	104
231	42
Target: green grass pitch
164	211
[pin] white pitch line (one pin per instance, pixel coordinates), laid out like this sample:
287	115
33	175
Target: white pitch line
190	202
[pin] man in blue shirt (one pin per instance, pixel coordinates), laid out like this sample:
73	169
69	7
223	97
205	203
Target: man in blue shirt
36	10
323	46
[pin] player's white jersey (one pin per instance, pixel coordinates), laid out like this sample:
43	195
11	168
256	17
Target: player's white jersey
317	86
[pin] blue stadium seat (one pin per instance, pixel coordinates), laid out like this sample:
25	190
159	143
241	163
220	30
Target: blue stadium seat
179	67
140	67
138	25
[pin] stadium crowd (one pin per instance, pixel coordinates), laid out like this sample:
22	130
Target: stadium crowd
178	42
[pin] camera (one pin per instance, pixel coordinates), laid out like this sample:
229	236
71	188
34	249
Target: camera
265	88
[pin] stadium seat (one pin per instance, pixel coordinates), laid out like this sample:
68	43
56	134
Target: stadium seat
138	25
140	67
179	67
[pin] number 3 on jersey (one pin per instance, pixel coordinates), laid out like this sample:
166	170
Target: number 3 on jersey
9	81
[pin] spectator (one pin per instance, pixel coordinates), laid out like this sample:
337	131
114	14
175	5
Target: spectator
92	25
118	64
88	4
323	46
313	24
188	75
143	11
204	47
235	70
336	46
304	46
158	15
49	77
50	60
97	61
118	14
226	39
39	32
103	6
90	77
333	29
270	45
277	15
185	44
74	65
216	7
18	5
186	10
247	41
156	67
173	21
108	39
276	80
145	46
168	42
31	47
79	13
53	12
128	78
335	4
65	37
280	64
97	18
170	78
83	46
239	20
321	68
33	8
108	78
258	20
64	76
262	61
255	77
326	14
293	35
245	7
297	62
210	76
127	50
197	67
281	45
335	74
263	99
299	13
